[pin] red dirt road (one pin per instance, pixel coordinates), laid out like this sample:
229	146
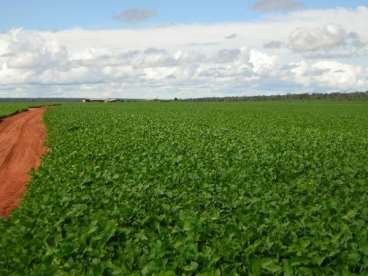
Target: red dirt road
22	138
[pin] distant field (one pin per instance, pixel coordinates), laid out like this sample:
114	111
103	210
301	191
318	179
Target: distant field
10	108
196	188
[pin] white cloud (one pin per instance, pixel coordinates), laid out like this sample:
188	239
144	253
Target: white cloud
328	41
330	74
231	36
262	63
30	50
273	45
191	60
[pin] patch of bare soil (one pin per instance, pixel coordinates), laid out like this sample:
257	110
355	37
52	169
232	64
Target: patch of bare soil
22	138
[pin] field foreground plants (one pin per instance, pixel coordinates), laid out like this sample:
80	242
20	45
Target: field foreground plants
206	188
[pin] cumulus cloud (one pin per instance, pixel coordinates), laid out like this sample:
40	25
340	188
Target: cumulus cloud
29	59
227	55
277	5
328	37
262	63
231	36
191	60
273	45
330	74
135	15
329	41
25	55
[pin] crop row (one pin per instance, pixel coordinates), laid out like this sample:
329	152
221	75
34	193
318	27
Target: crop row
207	189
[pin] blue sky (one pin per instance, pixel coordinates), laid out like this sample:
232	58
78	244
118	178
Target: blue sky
95	14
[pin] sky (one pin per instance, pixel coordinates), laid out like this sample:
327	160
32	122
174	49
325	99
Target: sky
167	49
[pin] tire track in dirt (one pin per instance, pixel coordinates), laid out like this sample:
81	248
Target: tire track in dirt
22	138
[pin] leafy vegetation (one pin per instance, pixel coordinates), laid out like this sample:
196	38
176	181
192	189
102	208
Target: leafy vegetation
10	108
196	189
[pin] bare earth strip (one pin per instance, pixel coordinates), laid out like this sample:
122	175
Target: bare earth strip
22	140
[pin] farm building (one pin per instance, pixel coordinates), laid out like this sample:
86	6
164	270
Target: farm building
99	100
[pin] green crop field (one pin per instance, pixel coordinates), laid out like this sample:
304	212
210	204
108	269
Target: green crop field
11	108
196	189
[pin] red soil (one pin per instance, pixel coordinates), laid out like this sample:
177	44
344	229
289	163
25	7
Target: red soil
22	138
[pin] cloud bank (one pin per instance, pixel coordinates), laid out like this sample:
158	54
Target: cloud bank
325	40
303	51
